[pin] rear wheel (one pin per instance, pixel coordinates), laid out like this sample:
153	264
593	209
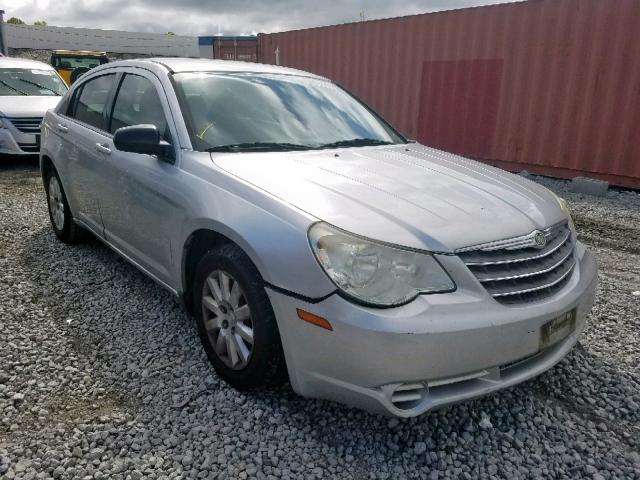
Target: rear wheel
235	320
59	212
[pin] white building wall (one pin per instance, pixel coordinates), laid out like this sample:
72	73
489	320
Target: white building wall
67	38
206	51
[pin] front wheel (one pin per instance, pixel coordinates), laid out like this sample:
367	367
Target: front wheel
59	212
235	320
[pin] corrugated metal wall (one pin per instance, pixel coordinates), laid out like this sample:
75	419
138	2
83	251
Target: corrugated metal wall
242	48
551	86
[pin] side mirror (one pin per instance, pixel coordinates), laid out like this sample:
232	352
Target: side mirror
143	139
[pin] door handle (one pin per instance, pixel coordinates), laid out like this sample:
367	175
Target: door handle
62	128
102	148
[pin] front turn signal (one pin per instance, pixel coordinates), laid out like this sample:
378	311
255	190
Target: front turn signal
313	319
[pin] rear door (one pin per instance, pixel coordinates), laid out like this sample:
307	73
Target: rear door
143	206
84	153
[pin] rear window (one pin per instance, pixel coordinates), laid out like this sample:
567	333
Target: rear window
76	62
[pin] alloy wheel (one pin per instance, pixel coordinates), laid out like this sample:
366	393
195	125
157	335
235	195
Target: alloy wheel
227	319
56	205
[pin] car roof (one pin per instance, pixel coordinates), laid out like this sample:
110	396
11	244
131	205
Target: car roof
13	62
177	65
80	53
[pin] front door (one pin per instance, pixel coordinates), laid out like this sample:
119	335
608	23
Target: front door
143	206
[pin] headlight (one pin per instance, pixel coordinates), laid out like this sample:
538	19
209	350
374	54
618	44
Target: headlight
564	207
375	273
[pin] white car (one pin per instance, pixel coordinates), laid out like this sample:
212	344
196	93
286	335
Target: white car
27	90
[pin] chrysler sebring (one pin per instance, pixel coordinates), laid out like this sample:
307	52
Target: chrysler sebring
310	240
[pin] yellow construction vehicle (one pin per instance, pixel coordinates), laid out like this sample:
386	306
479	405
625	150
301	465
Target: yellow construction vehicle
71	64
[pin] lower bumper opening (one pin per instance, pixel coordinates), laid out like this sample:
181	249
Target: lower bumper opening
412	397
507	366
408	395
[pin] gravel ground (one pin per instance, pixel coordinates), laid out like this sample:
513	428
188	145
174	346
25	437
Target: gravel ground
102	376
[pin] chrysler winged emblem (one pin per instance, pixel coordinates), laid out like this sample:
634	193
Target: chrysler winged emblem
539	239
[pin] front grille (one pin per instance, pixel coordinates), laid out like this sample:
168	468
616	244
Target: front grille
516	271
26	124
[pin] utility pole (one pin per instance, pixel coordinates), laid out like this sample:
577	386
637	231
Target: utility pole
4	48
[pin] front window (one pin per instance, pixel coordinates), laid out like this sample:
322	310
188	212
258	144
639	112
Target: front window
137	102
30	82
248	111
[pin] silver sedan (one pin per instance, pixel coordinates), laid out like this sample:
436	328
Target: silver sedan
311	241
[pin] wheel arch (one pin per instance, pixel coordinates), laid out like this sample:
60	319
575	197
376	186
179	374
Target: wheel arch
201	240
46	166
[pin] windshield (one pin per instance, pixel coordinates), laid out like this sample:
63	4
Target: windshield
243	111
77	62
24	81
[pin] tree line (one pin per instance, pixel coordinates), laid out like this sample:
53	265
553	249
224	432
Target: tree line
19	21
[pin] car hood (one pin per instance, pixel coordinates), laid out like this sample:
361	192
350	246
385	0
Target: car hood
26	106
408	195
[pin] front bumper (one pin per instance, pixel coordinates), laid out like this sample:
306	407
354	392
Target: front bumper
18	143
437	350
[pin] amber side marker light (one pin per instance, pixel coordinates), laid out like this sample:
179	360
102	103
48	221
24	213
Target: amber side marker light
314	319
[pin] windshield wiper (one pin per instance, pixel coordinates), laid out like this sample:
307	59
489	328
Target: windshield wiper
13	88
355	142
39	86
251	146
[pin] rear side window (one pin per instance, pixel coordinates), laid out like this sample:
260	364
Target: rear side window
138	102
92	100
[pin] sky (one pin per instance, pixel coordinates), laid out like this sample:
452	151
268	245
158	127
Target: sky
214	17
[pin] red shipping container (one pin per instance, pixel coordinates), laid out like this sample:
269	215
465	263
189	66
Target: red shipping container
244	49
550	86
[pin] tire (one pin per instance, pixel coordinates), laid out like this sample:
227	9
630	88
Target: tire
59	212
230	316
